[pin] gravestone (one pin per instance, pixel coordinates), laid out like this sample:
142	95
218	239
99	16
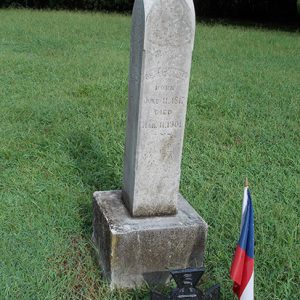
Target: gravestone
161	51
148	228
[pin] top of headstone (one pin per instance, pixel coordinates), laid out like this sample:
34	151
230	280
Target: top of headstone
172	4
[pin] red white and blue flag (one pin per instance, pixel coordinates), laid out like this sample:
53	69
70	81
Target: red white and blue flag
242	267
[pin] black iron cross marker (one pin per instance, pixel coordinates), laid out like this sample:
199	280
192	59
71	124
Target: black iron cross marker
186	280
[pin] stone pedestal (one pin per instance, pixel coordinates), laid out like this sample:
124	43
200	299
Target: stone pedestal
133	251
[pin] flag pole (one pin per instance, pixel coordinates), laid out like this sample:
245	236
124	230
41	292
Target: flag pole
246	182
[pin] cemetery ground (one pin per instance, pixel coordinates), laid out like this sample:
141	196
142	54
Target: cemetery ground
63	101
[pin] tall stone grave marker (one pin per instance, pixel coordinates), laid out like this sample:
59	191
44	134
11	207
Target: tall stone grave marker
148	228
162	41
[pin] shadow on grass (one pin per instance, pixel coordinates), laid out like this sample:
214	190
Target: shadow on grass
86	215
94	166
96	172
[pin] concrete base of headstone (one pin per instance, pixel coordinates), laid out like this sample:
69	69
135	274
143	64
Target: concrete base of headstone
134	251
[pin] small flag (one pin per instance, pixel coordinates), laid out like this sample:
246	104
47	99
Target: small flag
242	267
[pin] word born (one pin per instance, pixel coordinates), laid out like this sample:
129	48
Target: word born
164	87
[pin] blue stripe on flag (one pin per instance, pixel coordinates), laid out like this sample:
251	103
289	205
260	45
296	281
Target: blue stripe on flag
246	241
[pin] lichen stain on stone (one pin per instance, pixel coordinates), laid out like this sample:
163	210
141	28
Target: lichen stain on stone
114	243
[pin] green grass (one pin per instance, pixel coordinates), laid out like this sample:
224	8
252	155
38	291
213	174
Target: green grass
63	99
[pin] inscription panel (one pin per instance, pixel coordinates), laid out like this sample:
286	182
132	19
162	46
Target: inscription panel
167	52
168	49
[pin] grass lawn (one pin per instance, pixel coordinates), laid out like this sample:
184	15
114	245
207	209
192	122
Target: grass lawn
63	99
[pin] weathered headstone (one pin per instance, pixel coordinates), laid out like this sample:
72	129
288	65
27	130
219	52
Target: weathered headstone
148	228
161	51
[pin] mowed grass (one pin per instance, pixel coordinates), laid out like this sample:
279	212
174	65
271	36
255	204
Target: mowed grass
63	100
